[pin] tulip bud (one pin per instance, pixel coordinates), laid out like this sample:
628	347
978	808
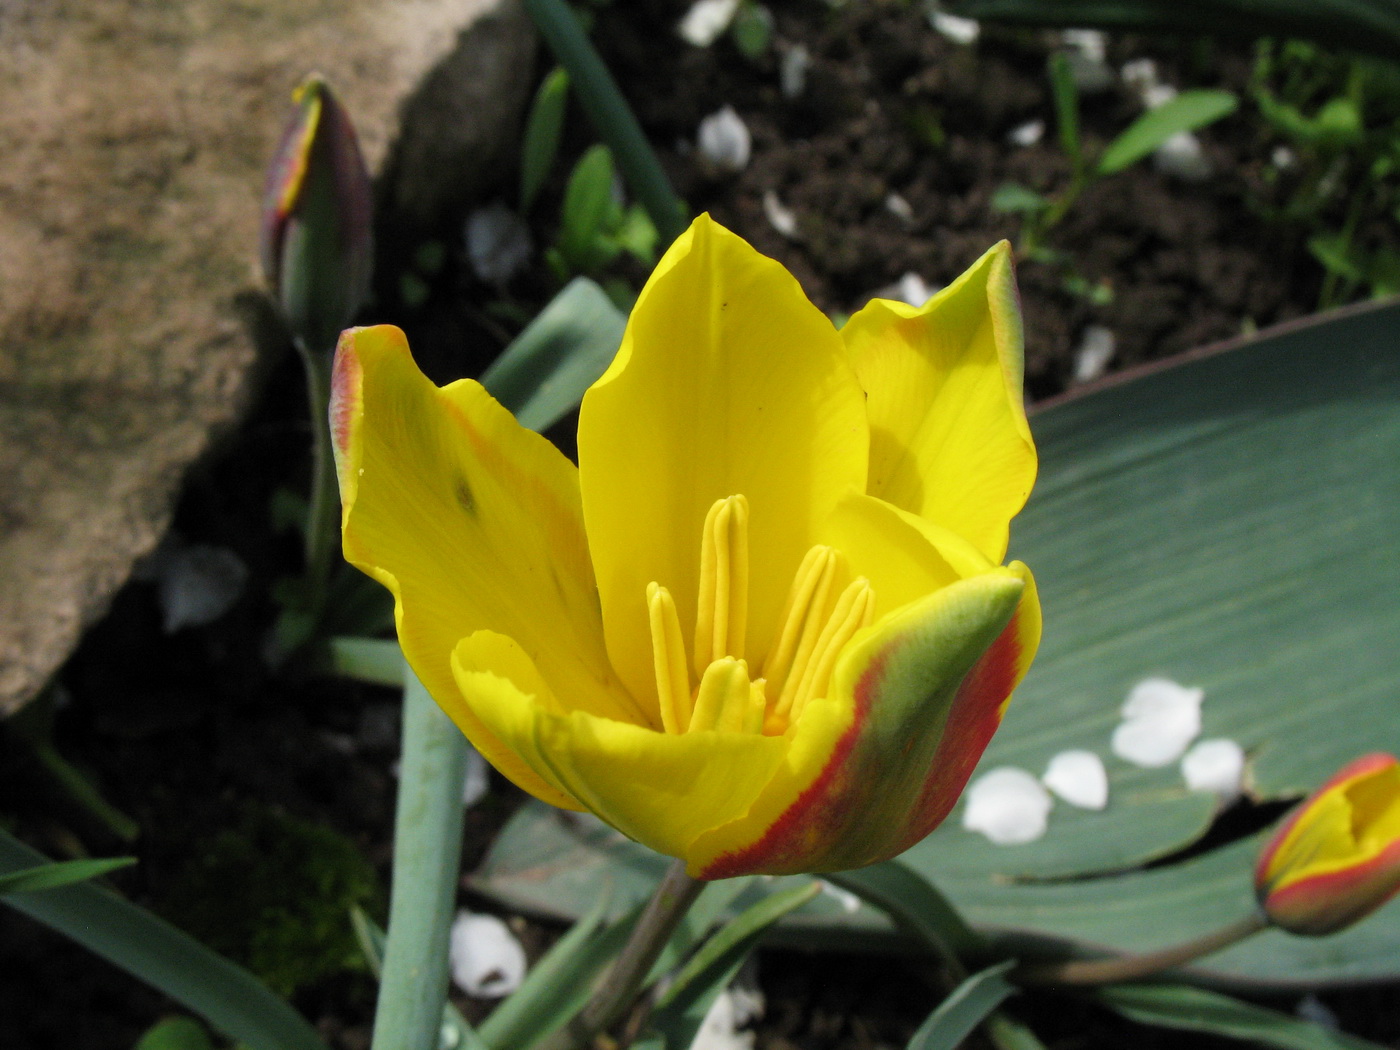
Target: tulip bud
317	218
1336	858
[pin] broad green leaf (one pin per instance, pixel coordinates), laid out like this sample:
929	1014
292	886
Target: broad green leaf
542	375
1017	199
1187	112
375	660
966	1007
1228	521
230	998
1372	26
63	873
753	30
542	130
914	903
1197	1010
175	1033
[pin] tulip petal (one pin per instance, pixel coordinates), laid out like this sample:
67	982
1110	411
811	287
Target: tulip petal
470	520
728	382
948	433
920	692
661	789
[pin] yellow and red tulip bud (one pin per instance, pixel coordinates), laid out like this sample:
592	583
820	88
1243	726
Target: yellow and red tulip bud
763	625
317	219
1336	858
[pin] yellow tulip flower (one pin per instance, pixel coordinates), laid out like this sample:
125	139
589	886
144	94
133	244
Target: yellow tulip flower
762	626
1336	859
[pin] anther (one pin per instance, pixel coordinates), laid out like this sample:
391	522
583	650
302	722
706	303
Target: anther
721	614
668	660
723	698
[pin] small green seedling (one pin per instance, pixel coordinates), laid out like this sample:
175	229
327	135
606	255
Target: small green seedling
594	227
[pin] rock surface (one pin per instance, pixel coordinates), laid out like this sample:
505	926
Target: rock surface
135	134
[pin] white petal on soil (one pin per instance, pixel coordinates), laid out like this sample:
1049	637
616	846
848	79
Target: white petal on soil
1160	719
1216	766
1096	347
732	1009
792	73
1140	74
958	30
1158	95
1086	51
1027	134
900	208
1079	778
724	140
779	215
1182	157
197	584
910	288
477	782
487	960
1283	158
1091	43
498	243
1007	805
706	20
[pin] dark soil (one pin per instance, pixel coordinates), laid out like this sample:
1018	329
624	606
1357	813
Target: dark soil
184	733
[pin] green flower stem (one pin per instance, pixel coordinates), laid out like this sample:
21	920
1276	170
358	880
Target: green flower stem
610	114
323	517
1133	967
427	857
668	905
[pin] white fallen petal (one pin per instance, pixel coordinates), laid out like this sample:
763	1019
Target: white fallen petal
1079	778
779	215
1160	719
1140	74
1027	134
1007	805
1216	766
957	29
1182	157
724	140
197	584
1091	43
900	208
792	72
720	1030
499	245
706	20
487	960
1283	158
477	781
1158	95
1096	348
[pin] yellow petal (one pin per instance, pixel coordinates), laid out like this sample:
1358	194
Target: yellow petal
948	433
661	789
470	519
728	382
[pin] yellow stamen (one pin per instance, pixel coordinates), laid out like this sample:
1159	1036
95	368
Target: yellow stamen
758	707
810	603
723	697
854	610
721	614
668	659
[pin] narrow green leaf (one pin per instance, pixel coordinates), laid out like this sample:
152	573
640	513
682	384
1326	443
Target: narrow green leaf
610	114
1066	97
726	950
538	1005
1017	199
543	128
427	855
63	873
1197	1010
175	1033
752	30
1007	1033
1188	111
371	939
915	904
378	661
966	1007
542	375
587	201
230	998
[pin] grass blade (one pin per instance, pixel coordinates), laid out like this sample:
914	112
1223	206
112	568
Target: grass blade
1187	112
427	854
63	873
610	114
967	1006
542	131
1196	1010
227	996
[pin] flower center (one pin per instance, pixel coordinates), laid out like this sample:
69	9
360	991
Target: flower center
713	690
